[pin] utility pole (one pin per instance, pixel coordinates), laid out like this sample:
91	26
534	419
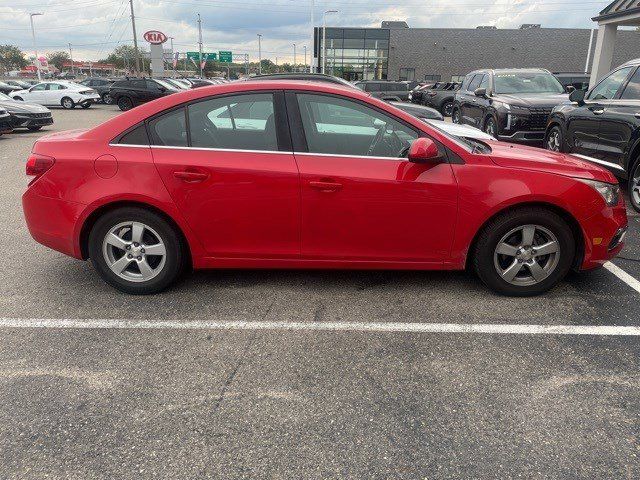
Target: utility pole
135	39
324	37
313	35
174	60
305	57
294	57
259	54
71	57
35	48
200	43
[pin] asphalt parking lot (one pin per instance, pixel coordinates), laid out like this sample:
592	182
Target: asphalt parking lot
303	402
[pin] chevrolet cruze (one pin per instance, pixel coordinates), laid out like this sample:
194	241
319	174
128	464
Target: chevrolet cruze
292	174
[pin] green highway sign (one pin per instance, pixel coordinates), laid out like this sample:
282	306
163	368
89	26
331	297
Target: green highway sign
226	57
205	56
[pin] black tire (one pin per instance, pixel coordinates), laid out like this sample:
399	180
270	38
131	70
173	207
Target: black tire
20	99
67	103
85	105
175	258
633	186
35	129
106	99
447	109
455	116
125	103
554	140
490	127
484	253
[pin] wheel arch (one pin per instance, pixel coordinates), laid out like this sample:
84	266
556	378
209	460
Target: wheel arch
564	214
89	222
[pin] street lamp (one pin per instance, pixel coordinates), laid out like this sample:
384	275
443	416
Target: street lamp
294	57
324	37
305	57
259	54
33	34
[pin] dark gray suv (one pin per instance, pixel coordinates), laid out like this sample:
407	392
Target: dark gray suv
385	90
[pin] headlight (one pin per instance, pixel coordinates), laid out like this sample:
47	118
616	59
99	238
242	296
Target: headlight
610	193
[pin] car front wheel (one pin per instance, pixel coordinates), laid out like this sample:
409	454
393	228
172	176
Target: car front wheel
67	103
136	250
106	99
447	109
125	103
553	139
455	116
524	252
634	186
490	127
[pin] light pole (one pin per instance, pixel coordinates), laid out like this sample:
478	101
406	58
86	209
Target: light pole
200	44
174	60
294	57
259	54
324	37
35	48
305	57
313	35
71	57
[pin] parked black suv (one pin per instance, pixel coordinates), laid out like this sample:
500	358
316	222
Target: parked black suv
603	126
509	104
130	92
385	90
100	85
441	97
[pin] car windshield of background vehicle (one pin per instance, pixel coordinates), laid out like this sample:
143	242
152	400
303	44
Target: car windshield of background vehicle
608	87
166	85
506	83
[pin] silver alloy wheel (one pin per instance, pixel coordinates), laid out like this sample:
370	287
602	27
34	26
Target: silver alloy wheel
455	116
447	109
553	140
106	98
490	128
527	255
67	103
635	186
134	251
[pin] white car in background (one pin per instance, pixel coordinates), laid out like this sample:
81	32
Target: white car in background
58	93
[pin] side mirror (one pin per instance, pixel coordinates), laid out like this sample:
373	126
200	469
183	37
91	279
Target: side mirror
570	88
577	96
423	150
480	92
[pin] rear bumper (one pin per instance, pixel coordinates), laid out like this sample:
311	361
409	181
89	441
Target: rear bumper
52	222
604	235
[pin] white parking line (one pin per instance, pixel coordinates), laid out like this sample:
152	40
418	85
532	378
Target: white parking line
608	330
622	275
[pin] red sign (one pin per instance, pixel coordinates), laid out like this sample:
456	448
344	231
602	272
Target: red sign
155	37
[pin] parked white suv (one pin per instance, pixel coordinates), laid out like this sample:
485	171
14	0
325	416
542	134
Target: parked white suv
60	92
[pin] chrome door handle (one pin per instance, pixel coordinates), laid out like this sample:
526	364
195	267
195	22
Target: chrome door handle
598	111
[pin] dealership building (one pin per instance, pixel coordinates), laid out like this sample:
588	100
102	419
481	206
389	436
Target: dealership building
397	52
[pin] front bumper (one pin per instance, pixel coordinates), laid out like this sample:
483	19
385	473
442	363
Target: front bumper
530	137
19	120
604	235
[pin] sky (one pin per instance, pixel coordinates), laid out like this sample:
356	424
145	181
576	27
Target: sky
95	28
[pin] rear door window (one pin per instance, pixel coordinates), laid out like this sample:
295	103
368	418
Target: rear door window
632	90
169	129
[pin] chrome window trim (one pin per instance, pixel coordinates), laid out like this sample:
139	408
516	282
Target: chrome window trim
278	152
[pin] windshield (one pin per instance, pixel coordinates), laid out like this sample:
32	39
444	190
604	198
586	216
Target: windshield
522	82
165	84
470	144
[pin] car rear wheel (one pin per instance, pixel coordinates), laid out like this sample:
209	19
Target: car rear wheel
67	103
447	109
553	140
524	252
125	103
455	116
136	251
85	105
106	99
634	187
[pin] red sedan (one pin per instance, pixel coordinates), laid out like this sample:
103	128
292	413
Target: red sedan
293	174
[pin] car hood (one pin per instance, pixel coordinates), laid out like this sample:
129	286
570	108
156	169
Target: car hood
15	106
530	158
533	100
460	130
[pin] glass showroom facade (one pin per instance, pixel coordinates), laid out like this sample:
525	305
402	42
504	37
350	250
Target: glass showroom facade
354	53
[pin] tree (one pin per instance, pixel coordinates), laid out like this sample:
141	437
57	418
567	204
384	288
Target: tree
57	59
124	57
11	58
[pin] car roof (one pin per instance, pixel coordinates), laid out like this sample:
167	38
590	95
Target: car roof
635	61
511	70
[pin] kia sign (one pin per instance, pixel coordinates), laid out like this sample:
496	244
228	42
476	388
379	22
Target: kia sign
155	37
